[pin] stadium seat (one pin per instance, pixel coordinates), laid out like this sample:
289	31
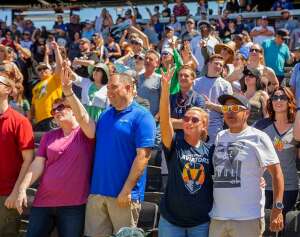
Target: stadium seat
149	217
153	197
154	180
292	224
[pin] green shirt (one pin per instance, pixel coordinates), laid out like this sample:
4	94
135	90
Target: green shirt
93	111
174	87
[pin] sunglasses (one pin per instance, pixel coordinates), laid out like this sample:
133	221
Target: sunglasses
233	108
137	57
187	119
165	54
42	69
279	98
58	108
135	43
255	50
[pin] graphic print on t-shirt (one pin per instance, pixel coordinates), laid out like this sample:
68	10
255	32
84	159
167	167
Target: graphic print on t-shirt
193	173
227	165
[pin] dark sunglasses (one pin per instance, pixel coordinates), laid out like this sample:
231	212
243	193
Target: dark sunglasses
42	69
279	97
135	43
187	119
137	57
165	54
59	108
255	50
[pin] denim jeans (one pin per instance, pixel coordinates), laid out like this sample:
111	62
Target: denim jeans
69	221
166	229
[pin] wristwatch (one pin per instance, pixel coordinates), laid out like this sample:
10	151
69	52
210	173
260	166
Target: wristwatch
278	205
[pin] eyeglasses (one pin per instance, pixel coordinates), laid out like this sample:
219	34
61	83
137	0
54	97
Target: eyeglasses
279	98
255	50
58	108
233	108
187	119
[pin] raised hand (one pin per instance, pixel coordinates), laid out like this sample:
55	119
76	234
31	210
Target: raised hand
66	78
167	76
54	45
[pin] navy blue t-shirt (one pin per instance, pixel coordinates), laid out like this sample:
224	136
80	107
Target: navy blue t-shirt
180	105
189	193
118	135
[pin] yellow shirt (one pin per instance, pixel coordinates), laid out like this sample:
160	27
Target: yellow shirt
43	95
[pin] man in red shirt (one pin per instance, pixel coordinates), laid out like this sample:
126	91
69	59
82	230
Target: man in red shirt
16	145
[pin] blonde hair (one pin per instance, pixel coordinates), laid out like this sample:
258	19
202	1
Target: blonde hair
204	119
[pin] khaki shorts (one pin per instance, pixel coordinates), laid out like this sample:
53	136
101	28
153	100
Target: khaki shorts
232	228
104	217
9	220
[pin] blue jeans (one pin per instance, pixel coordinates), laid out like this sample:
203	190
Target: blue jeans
69	221
166	229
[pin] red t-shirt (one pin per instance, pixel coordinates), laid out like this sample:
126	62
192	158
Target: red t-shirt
16	135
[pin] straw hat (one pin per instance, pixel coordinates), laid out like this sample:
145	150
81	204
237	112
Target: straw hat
230	46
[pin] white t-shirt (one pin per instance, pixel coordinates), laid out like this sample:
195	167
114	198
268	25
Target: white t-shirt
99	99
239	162
260	38
196	49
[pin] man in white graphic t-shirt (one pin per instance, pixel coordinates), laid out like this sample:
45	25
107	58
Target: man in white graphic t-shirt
242	153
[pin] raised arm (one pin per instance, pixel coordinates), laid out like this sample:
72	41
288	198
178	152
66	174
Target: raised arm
58	58
85	122
142	36
167	131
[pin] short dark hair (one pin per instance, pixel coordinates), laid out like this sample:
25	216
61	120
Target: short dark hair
215	56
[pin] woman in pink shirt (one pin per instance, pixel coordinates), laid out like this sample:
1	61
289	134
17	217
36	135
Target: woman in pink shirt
63	164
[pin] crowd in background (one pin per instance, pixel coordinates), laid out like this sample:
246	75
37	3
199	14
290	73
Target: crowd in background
110	96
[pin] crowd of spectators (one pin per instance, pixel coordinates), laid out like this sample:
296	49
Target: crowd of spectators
210	102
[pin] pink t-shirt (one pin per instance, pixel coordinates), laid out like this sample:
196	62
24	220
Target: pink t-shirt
66	176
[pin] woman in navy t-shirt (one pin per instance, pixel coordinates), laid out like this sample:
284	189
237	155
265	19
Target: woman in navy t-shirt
189	193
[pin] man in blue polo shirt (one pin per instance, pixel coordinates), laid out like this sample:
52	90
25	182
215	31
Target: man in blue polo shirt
125	135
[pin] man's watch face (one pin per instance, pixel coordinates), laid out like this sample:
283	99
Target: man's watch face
278	205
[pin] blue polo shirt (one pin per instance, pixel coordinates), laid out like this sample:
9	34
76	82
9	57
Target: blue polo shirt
276	56
118	135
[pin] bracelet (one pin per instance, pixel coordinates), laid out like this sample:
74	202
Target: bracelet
69	95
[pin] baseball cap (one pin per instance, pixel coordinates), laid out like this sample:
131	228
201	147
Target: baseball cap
85	40
170	28
204	23
138	41
242	100
283	33
190	20
167	50
42	65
